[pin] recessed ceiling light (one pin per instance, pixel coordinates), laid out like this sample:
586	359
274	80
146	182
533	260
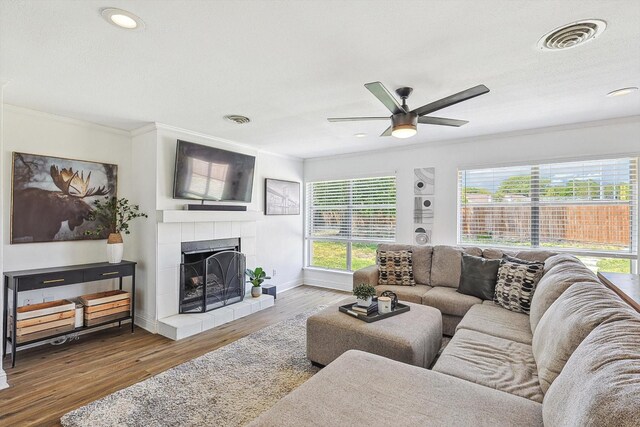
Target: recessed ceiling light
122	19
621	92
360	135
572	35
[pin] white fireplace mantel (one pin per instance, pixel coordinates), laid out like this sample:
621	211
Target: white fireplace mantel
168	216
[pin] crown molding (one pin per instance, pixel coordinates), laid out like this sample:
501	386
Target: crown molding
64	119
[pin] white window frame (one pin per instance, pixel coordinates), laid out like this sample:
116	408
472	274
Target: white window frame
308	240
633	255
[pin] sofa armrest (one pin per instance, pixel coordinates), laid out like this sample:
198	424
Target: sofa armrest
368	275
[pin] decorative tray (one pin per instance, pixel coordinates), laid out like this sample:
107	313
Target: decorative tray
400	308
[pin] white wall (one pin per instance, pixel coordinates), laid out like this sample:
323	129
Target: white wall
143	231
597	139
3	375
279	237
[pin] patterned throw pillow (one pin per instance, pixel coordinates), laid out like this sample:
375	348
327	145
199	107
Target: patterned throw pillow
516	284
396	268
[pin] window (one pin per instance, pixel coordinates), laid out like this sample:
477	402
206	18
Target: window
346	219
586	207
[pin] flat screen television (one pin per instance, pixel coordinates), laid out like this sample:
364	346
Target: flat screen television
208	173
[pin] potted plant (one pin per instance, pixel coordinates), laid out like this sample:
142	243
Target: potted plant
256	277
364	293
113	215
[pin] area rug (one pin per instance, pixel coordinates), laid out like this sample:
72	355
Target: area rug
226	387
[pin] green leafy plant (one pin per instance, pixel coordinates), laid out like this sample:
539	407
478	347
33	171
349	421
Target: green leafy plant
113	215
257	276
364	291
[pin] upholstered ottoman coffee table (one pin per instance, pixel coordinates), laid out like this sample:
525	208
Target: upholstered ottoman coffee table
413	337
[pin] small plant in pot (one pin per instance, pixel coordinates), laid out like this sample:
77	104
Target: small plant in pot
364	293
113	216
256	277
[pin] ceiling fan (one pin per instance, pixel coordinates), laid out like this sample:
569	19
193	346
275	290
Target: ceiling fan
403	121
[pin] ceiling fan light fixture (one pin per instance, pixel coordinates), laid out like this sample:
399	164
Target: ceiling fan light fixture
404	131
404	125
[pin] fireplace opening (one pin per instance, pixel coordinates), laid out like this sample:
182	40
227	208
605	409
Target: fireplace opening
212	275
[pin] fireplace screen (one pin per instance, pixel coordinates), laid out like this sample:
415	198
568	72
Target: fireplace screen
213	282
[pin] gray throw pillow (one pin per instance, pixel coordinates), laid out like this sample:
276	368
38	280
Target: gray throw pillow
478	276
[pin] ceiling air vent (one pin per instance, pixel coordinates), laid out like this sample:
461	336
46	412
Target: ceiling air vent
572	35
237	119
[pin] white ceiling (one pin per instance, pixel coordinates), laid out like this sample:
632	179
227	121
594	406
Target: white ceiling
290	64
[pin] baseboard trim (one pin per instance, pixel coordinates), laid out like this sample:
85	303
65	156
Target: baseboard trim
328	284
3	380
146	323
283	287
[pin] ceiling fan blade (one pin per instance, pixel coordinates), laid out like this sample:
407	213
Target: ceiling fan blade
355	119
379	91
387	132
441	121
451	100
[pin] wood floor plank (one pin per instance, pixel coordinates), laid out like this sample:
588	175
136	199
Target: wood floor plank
50	381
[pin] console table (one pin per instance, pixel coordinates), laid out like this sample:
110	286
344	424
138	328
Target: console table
44	278
627	286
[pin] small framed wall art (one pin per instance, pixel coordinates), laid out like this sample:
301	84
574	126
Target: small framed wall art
281	197
423	201
51	197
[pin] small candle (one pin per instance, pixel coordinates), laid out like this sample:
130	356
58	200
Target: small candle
384	305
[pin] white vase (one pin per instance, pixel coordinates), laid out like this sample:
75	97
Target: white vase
114	252
364	302
256	291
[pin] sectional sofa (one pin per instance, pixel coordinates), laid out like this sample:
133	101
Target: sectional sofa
574	361
437	273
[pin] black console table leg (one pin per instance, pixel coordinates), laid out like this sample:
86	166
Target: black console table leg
5	317
133	299
14	324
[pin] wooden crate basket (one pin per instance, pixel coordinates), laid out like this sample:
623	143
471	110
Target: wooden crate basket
105	307
46	319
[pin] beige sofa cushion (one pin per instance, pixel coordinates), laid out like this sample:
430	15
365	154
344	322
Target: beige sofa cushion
446	264
498	322
389	393
600	384
450	301
491	253
535	256
568	321
555	281
369	275
449	324
555	260
405	293
490	361
421	258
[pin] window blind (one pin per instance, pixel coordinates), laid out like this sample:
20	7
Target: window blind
589	206
361	209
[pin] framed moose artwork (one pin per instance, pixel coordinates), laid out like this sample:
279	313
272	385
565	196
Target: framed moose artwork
52	197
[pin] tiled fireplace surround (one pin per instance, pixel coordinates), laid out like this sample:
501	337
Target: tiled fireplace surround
170	236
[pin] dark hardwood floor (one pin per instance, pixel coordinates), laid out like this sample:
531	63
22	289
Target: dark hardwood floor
50	381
